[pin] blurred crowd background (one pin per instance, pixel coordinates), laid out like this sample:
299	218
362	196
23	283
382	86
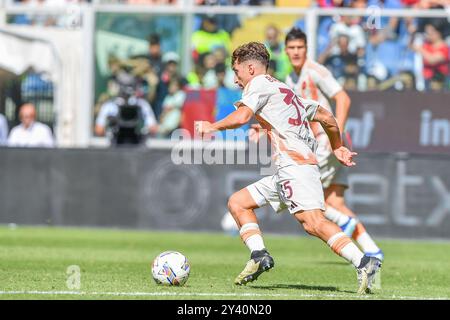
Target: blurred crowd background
170	71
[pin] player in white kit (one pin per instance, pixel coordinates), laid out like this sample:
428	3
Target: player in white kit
296	185
312	80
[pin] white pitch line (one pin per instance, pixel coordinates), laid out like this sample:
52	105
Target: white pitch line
213	294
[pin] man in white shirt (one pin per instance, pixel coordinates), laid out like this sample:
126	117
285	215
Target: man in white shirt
296	185
30	133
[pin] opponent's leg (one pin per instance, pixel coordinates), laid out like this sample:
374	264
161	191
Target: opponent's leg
337	211
315	223
346	223
241	205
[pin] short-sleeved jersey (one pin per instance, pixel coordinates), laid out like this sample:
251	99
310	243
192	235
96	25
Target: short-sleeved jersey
317	83
285	117
314	82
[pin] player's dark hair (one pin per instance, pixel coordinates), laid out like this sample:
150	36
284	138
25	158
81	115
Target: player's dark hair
295	34
251	51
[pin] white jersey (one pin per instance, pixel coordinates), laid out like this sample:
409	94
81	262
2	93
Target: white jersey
286	118
317	83
36	135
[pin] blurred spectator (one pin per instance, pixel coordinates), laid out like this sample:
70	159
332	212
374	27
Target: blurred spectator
146	75
222	59
389	58
146	69
343	66
276	51
151	81
221	55
208	70
209	37
209	79
154	53
331	3
350	27
170	71
137	70
221	74
426	4
436	57
3	130
30	133
172	104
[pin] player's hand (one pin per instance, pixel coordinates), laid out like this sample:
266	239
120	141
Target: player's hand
203	127
345	156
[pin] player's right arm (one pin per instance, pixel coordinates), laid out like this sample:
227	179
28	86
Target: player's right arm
254	97
237	118
329	124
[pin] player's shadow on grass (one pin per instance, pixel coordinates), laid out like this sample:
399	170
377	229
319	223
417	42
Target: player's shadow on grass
300	287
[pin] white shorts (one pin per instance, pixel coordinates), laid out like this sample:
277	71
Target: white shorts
295	187
333	172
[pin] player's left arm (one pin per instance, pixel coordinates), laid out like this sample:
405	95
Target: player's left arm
333	90
330	125
237	118
342	108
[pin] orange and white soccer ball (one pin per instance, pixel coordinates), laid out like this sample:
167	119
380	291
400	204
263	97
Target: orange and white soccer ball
171	268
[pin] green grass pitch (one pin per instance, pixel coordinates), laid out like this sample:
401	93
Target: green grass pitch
116	264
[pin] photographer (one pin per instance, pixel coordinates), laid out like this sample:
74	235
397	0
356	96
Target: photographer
128	117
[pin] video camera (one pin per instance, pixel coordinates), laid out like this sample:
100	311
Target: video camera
127	124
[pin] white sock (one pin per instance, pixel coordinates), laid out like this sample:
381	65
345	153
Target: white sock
336	216
349	252
352	254
255	242
367	244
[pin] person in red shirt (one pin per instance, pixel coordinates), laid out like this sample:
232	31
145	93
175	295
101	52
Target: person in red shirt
436	57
